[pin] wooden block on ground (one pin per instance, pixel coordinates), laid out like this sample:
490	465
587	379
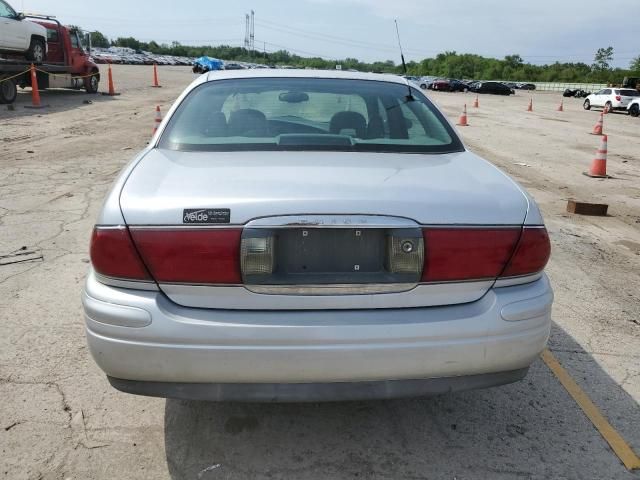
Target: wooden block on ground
585	208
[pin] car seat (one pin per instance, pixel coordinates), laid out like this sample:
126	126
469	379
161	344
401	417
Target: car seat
348	123
247	123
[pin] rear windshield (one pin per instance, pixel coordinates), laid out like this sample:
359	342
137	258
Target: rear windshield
308	114
628	93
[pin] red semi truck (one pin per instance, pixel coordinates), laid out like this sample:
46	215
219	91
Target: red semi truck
67	64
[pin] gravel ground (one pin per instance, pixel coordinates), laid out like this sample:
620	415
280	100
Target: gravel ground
59	418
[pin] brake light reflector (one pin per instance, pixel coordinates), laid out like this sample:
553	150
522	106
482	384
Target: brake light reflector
459	254
114	255
257	255
405	252
205	256
532	253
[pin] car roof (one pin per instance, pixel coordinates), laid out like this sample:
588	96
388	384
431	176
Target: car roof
299	73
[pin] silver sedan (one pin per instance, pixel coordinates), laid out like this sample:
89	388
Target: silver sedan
303	236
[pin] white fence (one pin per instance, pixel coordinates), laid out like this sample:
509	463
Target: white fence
561	87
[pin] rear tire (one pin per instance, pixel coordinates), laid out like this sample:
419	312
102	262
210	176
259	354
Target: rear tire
8	92
586	105
609	107
634	111
423	86
36	52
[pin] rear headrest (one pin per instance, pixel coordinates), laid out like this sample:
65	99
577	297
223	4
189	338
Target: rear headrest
247	123
215	125
348	121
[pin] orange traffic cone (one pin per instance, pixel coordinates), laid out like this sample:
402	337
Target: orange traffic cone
561	106
476	102
530	107
462	121
599	164
598	127
112	89
35	92
158	120
156	84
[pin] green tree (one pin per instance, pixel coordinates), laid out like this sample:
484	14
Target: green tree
602	59
129	42
99	40
635	64
513	61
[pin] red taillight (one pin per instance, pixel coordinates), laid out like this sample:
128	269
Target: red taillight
618	97
461	254
114	255
458	254
532	253
191	256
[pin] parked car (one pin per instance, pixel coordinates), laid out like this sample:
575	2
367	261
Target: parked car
308	235
426	82
496	88
613	98
458	85
525	86
634	107
578	93
20	36
441	84
233	66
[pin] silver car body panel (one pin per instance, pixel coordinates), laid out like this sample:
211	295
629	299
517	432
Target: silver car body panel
239	297
446	189
505	330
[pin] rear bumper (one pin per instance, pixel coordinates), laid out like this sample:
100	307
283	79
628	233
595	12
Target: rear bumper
172	345
316	392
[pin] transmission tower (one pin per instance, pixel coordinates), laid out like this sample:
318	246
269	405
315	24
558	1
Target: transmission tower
252	36
246	31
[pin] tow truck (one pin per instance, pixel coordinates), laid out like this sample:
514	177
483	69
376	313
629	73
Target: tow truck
66	65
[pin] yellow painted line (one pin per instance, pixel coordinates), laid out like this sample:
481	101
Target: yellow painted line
613	438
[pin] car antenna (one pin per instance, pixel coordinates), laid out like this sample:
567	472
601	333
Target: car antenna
404	65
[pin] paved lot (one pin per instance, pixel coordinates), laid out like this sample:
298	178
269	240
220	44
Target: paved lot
59	418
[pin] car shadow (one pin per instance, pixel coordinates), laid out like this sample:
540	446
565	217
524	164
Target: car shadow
53	101
531	429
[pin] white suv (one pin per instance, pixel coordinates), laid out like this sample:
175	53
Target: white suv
19	36
614	98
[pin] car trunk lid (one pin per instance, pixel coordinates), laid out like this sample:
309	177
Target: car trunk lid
335	216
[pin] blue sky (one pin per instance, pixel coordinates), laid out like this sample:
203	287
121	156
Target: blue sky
542	31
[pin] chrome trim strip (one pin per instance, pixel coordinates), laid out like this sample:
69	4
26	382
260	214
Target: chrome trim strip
239	298
131	284
519	280
225	226
246	225
110	227
413	285
332	289
332	221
